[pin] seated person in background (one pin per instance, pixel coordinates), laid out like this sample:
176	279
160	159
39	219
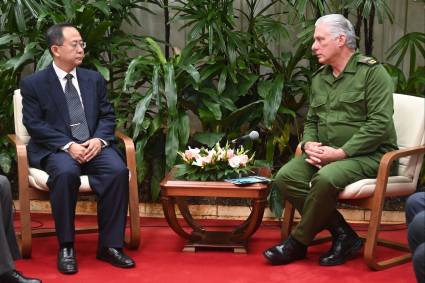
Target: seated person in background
9	250
415	218
71	125
349	127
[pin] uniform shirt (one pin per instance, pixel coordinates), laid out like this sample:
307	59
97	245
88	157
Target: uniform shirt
354	110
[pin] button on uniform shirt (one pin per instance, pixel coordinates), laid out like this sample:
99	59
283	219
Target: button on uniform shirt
354	110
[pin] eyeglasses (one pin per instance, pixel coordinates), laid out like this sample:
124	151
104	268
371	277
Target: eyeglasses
75	44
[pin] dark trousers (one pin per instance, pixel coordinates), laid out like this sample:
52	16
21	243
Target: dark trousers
314	192
415	217
108	177
9	250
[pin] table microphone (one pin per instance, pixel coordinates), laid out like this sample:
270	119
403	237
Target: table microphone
251	136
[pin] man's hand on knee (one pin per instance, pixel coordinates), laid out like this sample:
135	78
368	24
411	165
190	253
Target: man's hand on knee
77	152
323	155
312	149
93	146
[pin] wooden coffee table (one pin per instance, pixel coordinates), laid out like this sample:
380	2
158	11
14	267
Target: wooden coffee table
176	191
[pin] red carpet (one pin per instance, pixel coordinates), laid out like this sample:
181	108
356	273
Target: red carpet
159	259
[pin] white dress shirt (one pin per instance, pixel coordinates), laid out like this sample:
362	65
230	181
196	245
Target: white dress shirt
61	76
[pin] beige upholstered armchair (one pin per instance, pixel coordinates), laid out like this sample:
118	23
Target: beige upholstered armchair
32	186
409	120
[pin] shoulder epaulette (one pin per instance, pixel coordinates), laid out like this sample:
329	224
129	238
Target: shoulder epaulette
319	70
367	60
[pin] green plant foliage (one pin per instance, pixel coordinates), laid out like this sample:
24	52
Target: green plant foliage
23	48
411	42
229	78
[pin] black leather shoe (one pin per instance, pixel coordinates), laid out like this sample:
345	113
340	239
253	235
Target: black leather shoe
115	257
287	252
67	262
16	277
345	243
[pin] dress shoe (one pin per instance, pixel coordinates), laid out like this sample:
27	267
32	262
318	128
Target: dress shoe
287	252
16	277
115	257
67	262
345	243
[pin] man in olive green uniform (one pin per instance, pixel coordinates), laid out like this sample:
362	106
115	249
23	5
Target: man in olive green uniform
349	127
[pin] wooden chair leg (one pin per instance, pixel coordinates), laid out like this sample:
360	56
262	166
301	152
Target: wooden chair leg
25	224
132	240
372	241
288	218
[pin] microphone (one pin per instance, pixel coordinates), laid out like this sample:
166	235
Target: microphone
251	136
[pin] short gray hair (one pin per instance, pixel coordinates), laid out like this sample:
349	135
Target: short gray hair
338	24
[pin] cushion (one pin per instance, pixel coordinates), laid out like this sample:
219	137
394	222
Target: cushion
38	179
397	186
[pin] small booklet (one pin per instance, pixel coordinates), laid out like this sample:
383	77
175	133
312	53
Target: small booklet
248	180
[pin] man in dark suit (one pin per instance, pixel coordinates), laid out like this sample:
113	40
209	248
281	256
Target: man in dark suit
71	125
9	250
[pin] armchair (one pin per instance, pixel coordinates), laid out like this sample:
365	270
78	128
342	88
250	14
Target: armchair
409	121
32	186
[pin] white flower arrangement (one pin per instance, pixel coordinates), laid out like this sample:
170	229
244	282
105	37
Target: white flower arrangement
214	164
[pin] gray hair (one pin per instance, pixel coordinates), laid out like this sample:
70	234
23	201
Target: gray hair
338	24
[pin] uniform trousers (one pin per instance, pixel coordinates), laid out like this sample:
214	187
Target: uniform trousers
314	192
108	178
415	216
9	250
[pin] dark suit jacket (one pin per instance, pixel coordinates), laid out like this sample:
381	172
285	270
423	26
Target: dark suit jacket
46	116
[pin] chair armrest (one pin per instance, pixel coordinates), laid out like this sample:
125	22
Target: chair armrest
385	166
132	241
389	157
21	152
130	152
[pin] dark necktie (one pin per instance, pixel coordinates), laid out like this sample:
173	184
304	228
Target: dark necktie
79	127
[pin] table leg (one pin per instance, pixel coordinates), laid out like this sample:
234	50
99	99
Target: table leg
184	209
170	215
251	224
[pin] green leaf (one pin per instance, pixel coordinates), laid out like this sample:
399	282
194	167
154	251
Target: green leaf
21	59
141	107
171	144
222	81
276	200
272	101
7	39
170	90
213	107
209	139
239	113
44	61
104	71
102	6
183	129
154	47
157	175
193	72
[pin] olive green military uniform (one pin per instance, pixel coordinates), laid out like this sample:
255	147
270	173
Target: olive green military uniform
353	112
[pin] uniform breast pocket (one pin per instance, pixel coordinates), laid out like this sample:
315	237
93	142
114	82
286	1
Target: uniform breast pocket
352	106
318	106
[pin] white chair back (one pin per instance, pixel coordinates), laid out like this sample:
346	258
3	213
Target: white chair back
409	122
20	130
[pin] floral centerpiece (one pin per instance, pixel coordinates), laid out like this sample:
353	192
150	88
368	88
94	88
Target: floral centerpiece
218	163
